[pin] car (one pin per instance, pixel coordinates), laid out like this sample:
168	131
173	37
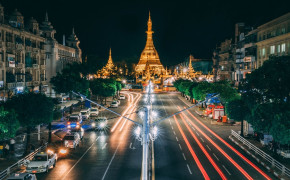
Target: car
114	104
71	140
122	97
42	162
80	131
85	113
100	123
22	176
94	112
74	121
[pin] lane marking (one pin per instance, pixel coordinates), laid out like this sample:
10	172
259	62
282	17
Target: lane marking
172	127
78	160
176	139
208	147
110	162
201	139
130	146
226	170
189	169
104	146
197	133
174	132
184	156
215	156
180	147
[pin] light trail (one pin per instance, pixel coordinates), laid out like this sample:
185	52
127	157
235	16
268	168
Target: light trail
204	173
204	150
119	120
125	121
229	146
222	151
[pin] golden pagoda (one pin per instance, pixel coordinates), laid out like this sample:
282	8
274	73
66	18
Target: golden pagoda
191	72
149	55
110	68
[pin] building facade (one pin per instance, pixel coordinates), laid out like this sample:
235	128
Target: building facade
30	55
226	60
273	39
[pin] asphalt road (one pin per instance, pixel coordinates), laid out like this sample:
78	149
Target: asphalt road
185	149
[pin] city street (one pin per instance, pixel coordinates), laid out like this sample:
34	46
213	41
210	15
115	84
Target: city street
184	149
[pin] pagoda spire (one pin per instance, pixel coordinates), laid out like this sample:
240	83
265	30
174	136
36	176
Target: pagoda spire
149	42
190	68
46	16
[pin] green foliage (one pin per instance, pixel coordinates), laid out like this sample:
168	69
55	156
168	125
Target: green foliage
236	109
104	87
8	124
70	79
201	90
32	109
267	94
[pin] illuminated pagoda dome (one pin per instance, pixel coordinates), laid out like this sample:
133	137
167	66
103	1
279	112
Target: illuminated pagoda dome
149	55
109	69
191	72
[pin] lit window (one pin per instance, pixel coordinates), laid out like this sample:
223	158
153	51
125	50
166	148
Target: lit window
272	49
283	47
278	48
263	52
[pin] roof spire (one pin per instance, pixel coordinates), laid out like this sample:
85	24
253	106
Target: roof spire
110	54
73	30
149	24
46	16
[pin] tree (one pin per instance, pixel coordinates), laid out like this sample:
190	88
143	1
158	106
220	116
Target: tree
8	124
70	79
237	110
104	88
266	94
32	109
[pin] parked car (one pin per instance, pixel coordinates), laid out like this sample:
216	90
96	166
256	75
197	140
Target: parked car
114	104
94	112
122	97
99	123
74	121
71	140
22	176
41	162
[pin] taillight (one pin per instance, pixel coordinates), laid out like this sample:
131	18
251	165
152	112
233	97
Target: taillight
68	122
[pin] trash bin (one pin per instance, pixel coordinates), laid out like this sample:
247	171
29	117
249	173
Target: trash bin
224	119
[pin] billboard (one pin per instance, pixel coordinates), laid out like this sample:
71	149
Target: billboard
11	60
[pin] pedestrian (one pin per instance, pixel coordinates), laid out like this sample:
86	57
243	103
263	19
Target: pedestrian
12	143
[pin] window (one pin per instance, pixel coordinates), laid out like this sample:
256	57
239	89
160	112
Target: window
272	49
283	47
283	30
278	48
263	52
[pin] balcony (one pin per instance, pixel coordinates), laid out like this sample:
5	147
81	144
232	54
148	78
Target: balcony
20	65
35	66
42	66
35	83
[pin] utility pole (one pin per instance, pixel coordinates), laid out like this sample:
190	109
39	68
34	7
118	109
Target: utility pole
145	143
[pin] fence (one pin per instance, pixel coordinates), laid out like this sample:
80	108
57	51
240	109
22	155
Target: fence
270	159
19	163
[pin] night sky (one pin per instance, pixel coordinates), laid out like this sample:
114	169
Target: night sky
181	27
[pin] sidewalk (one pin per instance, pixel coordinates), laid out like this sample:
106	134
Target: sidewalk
20	145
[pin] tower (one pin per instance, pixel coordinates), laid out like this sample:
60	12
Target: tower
191	72
16	19
149	54
33	26
74	42
47	29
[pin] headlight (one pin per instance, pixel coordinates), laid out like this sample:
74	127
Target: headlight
41	167
63	151
102	125
93	124
49	151
78	126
